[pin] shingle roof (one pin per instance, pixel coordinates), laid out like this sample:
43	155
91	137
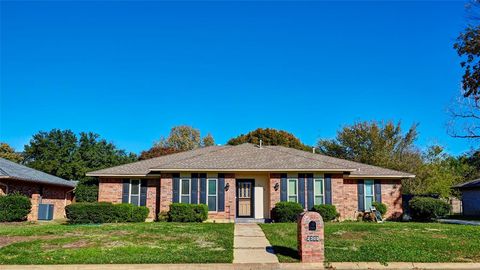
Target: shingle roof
469	184
247	157
12	170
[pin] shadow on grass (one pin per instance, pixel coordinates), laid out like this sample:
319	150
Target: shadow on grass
286	251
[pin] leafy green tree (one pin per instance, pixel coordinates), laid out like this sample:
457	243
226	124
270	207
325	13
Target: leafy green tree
380	144
8	152
270	136
157	151
208	140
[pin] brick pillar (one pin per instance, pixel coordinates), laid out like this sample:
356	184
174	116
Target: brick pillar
274	194
33	215
310	233
230	197
152	185
166	192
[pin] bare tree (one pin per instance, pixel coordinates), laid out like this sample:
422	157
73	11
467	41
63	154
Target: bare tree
465	118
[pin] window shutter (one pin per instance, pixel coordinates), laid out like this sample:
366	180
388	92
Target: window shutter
194	189
221	192
143	192
176	187
328	189
378	191
310	195
125	190
361	192
203	188
283	187
301	189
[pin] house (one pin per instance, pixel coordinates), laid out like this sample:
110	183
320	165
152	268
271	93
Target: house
470	197
246	181
49	194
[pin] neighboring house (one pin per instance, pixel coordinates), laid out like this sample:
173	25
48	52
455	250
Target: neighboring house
246	181
470	197
49	194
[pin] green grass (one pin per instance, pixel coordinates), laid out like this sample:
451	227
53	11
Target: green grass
387	242
26	243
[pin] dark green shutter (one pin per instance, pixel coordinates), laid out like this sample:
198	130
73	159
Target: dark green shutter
328	189
176	187
221	192
143	192
301	189
378	191
194	189
283	187
203	188
361	192
125	190
310	194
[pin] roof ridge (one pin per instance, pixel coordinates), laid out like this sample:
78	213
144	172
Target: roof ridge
220	148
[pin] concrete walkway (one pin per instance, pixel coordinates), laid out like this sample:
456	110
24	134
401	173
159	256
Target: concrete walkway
251	246
459	221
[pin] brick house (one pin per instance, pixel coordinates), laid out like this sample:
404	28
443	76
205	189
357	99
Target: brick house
49	194
246	181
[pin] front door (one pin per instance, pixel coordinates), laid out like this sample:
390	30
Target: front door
245	195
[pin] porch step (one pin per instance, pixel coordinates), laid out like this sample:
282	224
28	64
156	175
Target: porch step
250	220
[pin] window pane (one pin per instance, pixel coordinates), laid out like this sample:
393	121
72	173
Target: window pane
212	187
134	200
368	187
292	198
318	187
185	199
368	202
212	203
292	187
318	200
185	187
135	187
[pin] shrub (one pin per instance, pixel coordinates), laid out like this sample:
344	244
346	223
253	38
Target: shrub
381	207
14	207
426	208
286	211
103	212
184	212
86	193
327	211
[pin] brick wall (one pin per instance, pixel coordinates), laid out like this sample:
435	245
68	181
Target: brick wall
59	196
110	190
274	194
392	197
230	201
166	192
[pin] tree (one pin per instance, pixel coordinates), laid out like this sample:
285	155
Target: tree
380	144
270	136
208	140
157	151
8	152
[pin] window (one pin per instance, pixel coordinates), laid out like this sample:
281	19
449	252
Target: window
212	195
292	190
185	190
369	194
318	191
134	197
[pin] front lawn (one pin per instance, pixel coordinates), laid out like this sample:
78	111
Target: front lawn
387	242
26	243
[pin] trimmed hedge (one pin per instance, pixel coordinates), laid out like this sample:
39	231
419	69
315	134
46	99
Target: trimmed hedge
103	212
14	207
184	212
327	211
381	207
427	209
286	211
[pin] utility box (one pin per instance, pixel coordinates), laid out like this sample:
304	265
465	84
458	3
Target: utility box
45	211
310	234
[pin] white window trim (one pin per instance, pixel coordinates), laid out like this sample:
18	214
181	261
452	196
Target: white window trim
288	188
216	194
323	188
189	192
139	190
365	193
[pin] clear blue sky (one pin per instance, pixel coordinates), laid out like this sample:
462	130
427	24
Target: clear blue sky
130	71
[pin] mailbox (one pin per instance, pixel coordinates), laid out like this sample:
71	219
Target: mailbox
310	237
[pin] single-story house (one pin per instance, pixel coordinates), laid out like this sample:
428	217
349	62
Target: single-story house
49	194
470	197
246	181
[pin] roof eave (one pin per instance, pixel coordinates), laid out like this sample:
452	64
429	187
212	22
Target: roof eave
361	176
248	170
73	185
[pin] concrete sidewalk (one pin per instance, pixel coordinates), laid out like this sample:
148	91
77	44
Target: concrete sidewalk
251	246
251	266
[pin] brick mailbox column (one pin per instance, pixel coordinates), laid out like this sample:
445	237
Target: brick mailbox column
310	237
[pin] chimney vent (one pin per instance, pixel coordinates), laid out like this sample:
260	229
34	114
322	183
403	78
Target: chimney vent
260	144
313	150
